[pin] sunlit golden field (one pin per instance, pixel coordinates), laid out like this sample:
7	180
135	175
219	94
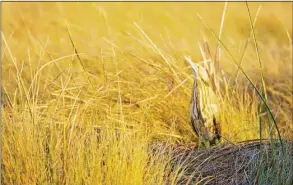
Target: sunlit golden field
88	87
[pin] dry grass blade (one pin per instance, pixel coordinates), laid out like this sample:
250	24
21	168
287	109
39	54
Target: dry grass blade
247	41
218	50
157	49
79	59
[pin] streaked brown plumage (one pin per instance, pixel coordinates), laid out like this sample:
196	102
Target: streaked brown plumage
203	107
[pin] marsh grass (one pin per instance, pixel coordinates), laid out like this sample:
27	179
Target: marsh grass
82	105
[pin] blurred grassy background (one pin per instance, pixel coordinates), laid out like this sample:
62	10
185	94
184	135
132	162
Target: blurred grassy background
50	112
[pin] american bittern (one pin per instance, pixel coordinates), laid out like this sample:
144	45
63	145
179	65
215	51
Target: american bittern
204	103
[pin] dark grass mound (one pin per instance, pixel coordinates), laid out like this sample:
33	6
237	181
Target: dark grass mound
250	162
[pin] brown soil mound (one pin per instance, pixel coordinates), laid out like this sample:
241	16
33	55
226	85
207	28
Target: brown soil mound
241	163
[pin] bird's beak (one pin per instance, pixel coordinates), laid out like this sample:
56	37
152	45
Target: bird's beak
194	66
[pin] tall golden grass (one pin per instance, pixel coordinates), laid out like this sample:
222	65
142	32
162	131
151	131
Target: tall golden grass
87	87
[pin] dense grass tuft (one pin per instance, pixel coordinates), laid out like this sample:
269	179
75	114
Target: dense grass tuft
98	93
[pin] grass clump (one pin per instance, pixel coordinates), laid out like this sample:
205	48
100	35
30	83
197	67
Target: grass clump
102	97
